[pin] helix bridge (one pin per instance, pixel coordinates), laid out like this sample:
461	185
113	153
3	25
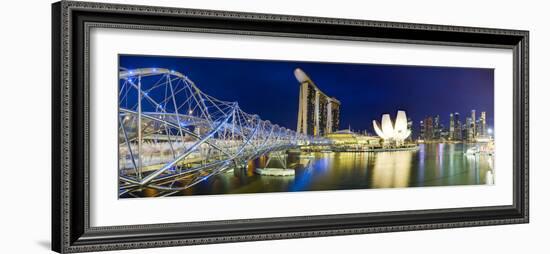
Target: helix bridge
173	136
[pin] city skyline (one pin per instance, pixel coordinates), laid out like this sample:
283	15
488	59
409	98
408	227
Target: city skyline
468	128
366	91
205	126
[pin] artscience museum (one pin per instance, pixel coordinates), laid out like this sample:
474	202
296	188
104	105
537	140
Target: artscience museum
393	133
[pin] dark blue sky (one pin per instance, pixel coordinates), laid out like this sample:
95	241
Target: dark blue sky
366	91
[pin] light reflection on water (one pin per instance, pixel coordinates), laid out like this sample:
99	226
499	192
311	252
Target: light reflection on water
430	165
392	169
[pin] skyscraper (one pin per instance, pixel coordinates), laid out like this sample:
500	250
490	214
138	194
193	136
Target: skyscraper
422	130
464	131
428	128
473	125
483	122
318	114
436	129
333	115
470	129
451	127
478	128
457	127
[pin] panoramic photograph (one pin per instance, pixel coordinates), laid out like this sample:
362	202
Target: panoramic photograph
207	126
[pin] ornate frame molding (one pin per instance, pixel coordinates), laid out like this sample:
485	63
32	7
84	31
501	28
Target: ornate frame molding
71	23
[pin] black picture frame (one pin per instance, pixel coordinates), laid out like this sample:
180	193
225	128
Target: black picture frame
71	22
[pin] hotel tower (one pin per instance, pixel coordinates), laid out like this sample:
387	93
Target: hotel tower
318	114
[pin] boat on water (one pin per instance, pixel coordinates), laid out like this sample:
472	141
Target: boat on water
305	156
477	150
275	171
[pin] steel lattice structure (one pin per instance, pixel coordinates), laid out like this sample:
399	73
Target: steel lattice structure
173	136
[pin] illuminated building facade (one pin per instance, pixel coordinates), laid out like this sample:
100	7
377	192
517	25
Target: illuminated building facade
318	114
451	126
437	128
457	133
391	132
473	124
483	124
350	140
427	132
472	130
469	129
410	127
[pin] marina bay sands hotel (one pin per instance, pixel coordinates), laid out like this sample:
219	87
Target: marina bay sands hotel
318	114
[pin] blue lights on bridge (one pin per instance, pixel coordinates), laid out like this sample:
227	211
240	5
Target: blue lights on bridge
200	141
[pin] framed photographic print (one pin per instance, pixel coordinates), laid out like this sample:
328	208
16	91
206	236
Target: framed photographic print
181	126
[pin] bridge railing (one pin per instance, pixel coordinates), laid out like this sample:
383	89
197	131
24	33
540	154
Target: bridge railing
173	136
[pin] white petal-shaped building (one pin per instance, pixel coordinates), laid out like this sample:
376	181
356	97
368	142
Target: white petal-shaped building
390	131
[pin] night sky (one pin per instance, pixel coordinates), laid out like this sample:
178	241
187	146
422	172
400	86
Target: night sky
366	91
